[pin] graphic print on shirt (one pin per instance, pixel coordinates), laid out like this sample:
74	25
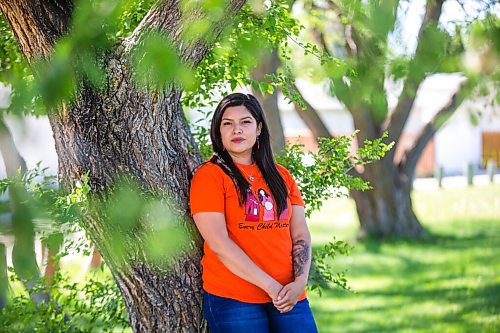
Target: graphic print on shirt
268	203
251	207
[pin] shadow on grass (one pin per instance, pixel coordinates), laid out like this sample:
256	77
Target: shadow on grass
401	310
445	283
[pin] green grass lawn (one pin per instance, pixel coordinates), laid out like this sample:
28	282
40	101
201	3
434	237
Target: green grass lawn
448	284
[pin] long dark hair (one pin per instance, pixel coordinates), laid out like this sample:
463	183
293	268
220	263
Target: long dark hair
262	152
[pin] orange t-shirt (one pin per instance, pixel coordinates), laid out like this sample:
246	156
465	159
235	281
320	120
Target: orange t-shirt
254	227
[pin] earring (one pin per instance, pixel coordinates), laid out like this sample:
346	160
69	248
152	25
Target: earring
258	143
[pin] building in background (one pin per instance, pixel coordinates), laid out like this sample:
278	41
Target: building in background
466	138
458	143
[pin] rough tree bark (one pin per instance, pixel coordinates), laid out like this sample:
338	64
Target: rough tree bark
123	129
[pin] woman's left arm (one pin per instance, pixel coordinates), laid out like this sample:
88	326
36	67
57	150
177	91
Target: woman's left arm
301	257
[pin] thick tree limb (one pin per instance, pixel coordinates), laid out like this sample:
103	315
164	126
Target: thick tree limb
311	118
410	158
37	25
11	156
269	65
167	16
412	83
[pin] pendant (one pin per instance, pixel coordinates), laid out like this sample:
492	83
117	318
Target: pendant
250	178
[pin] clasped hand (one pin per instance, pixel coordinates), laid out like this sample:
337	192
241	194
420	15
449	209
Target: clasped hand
288	296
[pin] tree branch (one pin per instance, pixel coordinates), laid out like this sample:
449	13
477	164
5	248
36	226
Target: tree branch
269	65
352	41
11	156
319	36
311	118
410	157
167	16
37	25
406	100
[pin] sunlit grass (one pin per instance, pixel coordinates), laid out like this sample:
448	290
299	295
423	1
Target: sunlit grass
449	283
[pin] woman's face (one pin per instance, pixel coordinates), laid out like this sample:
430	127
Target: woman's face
239	131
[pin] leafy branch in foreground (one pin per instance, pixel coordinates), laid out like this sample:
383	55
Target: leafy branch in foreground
330	172
321	273
95	305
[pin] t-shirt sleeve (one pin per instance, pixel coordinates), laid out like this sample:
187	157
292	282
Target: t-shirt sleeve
294	195
207	190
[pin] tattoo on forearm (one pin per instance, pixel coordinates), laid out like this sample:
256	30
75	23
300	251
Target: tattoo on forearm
300	256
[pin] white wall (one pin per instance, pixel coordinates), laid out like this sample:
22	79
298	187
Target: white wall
32	136
457	144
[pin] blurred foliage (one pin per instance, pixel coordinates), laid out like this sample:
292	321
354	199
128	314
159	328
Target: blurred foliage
371	29
94	305
125	211
143	228
481	58
327	174
156	64
144	225
76	58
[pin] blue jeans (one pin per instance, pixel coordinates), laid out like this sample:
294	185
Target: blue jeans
225	315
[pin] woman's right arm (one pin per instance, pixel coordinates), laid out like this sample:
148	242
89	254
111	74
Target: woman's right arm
212	226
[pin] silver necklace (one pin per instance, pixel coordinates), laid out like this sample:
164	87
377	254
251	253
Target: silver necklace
250	177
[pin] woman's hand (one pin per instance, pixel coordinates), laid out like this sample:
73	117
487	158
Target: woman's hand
212	226
274	290
301	260
289	295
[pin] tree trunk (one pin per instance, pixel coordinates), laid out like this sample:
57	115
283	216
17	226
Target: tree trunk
96	260
51	246
145	136
4	278
23	252
386	210
270	101
142	134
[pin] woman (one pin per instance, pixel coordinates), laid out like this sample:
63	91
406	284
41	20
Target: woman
257	251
